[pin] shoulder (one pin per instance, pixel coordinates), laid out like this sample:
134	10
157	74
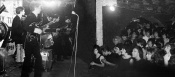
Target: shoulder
16	18
102	57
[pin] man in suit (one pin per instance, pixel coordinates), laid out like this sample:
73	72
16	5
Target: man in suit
17	26
17	32
32	45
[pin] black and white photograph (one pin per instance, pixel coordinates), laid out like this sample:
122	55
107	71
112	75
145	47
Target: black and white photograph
87	38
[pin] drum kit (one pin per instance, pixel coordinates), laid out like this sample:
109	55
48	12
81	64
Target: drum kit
46	52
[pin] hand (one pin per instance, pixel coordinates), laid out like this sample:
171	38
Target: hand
131	61
92	63
167	57
37	30
56	19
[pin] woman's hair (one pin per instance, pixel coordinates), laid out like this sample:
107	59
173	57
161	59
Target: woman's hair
152	41
148	30
19	9
141	42
98	48
139	51
128	49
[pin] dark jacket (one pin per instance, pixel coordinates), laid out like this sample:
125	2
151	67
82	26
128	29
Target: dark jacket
17	30
30	19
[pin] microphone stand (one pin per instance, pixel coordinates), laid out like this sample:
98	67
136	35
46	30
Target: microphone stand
76	38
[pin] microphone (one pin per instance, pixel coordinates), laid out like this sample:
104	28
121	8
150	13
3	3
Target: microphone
73	12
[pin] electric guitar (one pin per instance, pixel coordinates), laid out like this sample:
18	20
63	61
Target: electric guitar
32	36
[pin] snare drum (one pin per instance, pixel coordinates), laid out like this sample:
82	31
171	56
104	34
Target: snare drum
47	58
46	40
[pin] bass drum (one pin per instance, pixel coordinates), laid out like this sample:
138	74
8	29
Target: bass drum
47	59
47	40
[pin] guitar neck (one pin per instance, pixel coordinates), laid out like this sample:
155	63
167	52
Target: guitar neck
46	25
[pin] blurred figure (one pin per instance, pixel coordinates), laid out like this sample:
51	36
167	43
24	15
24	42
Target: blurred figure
32	44
17	32
97	58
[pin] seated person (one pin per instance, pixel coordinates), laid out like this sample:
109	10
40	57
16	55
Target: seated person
138	61
142	43
168	57
150	44
157	39
97	58
147	34
124	67
126	57
150	54
166	38
110	58
117	40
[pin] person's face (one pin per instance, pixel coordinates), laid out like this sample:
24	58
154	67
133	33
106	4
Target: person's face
139	30
134	34
167	48
22	12
150	44
123	51
124	37
155	34
147	34
129	31
135	52
117	50
149	55
163	36
147	26
115	41
67	21
95	51
105	53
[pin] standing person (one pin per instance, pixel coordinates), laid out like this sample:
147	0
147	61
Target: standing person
17	32
32	45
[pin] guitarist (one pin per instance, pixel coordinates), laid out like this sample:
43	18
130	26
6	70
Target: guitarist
32	46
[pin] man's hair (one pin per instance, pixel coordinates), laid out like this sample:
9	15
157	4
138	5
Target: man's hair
33	5
19	9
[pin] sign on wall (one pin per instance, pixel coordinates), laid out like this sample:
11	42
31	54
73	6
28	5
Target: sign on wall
9	13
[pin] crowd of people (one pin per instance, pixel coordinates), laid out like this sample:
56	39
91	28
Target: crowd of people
145	50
